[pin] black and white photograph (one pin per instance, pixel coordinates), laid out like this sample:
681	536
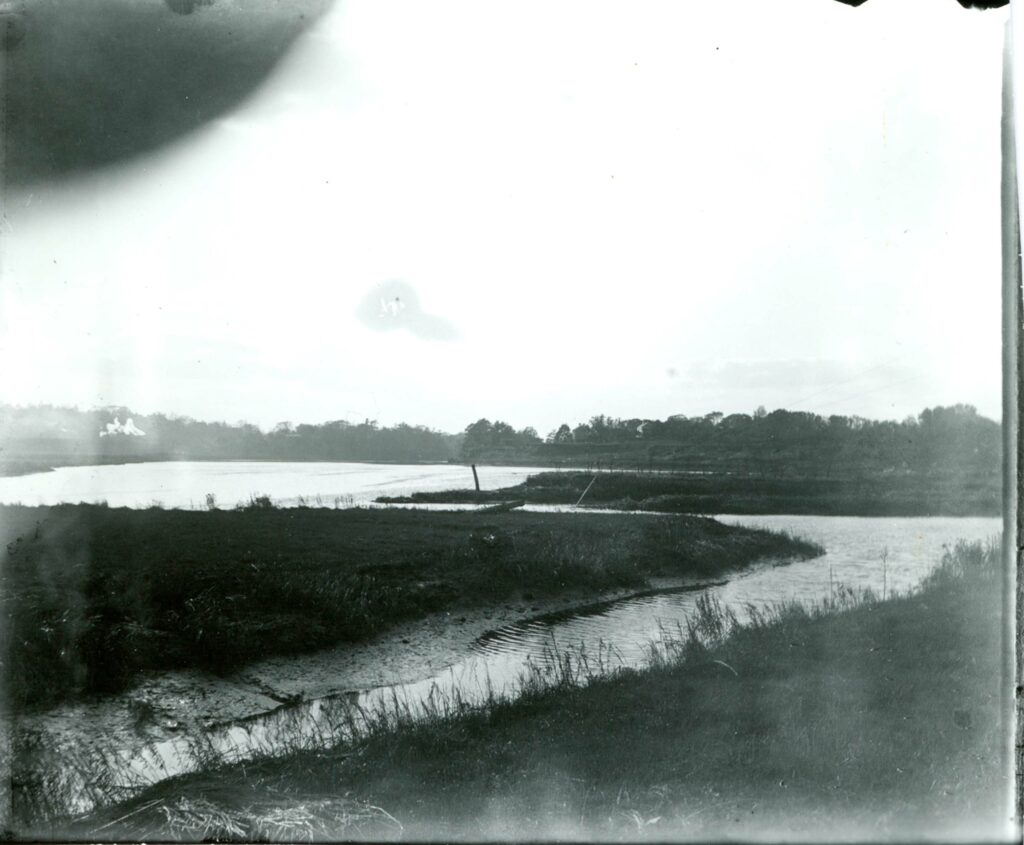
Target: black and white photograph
489	421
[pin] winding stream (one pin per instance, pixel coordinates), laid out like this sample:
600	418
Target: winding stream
80	756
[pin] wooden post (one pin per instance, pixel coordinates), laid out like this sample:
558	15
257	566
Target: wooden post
476	479
580	499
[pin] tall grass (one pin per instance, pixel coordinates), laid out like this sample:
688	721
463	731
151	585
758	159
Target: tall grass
787	717
56	782
97	596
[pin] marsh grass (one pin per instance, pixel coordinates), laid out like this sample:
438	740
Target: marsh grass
258	502
854	717
93	596
671	492
97	777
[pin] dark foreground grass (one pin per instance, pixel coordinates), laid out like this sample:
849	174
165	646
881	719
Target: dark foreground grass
93	596
720	493
861	720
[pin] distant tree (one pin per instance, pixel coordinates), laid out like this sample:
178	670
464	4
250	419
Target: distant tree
478	436
736	424
502	434
629	429
654	430
529	437
583	433
599	425
562	434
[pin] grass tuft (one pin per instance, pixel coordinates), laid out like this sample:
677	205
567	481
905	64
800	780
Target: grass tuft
288	819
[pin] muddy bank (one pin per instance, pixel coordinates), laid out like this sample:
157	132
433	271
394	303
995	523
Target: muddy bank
147	644
99	598
874	721
166	704
76	757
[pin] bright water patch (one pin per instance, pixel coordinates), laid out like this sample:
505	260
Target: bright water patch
186	484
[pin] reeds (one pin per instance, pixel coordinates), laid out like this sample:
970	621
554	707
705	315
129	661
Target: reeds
94	602
290	818
717	645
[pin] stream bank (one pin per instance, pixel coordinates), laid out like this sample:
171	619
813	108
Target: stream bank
79	756
872	720
876	554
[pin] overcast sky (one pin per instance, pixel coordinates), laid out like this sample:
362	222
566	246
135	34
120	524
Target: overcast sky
538	212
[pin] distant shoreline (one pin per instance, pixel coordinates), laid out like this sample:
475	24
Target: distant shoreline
699	494
664	490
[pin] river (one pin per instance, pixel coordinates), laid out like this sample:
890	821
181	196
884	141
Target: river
91	753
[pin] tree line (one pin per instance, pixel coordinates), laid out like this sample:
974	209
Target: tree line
46	431
953	439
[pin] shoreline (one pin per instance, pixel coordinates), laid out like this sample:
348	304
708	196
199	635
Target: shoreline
668	491
690	494
796	719
101	598
410	652
180	708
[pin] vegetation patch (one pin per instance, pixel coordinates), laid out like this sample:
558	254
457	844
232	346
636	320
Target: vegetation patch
94	596
669	492
860	718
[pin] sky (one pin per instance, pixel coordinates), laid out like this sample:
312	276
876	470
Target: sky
535	212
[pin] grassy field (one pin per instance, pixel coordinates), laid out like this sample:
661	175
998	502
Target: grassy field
859	720
93	596
710	494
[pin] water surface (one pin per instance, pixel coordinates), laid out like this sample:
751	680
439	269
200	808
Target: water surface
883	554
186	484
